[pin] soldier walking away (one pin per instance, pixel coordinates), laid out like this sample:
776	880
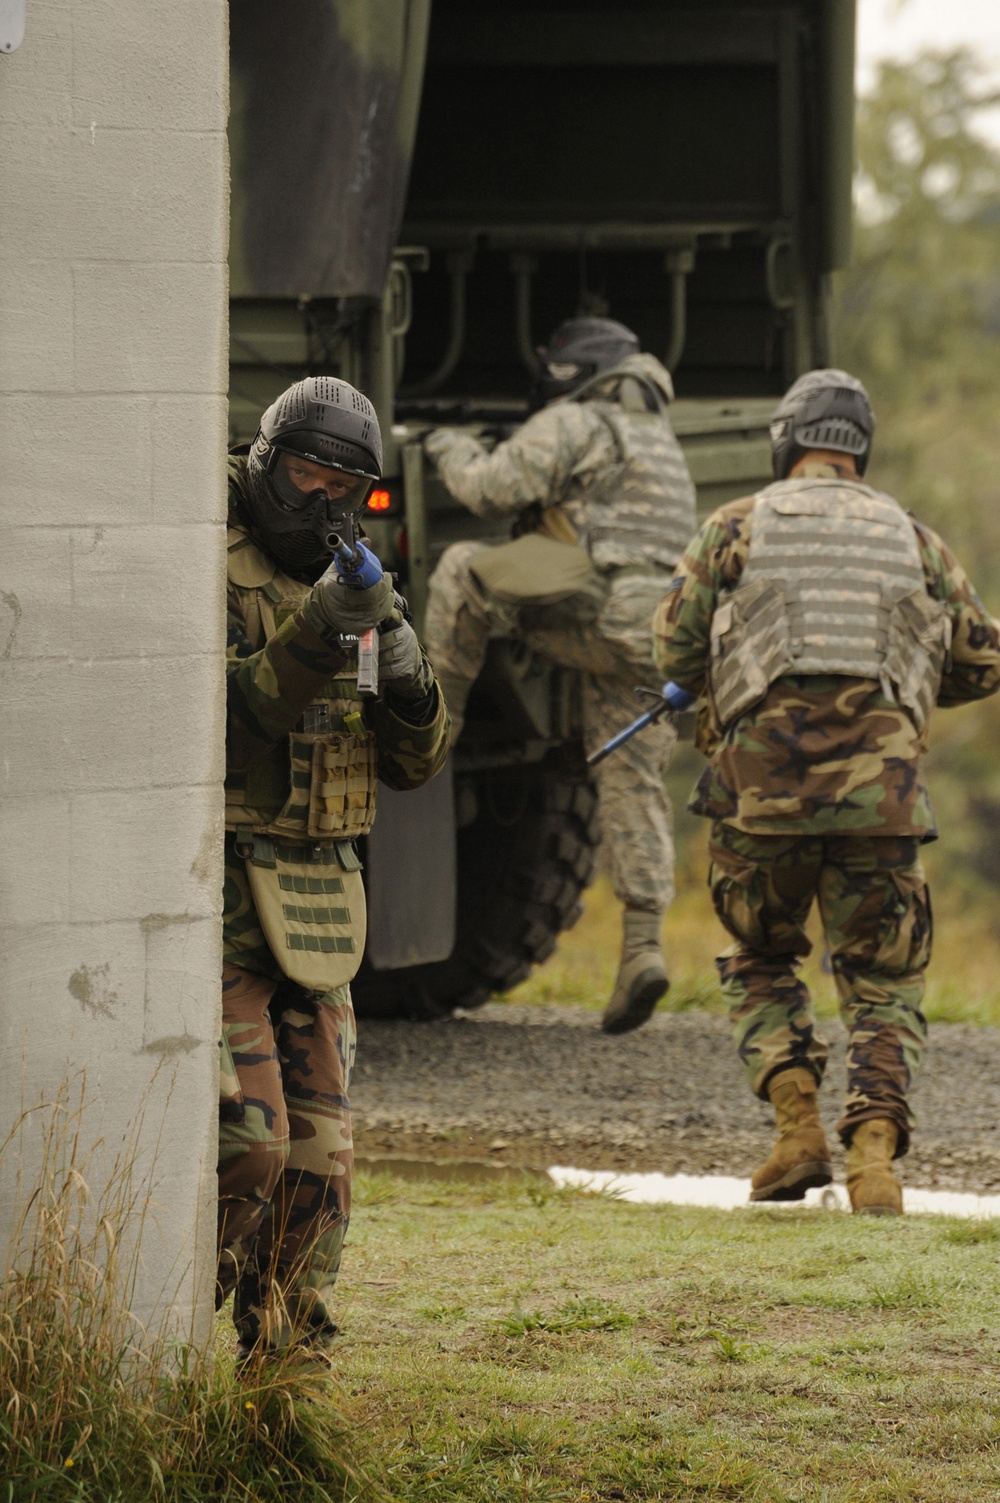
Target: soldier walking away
303	755
825	623
604	506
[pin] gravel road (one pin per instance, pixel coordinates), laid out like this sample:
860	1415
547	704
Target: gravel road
538	1086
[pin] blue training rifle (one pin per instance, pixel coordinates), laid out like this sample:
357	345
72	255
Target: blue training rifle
671	699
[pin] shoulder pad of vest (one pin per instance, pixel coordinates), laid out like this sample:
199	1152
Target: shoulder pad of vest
803	483
800	482
247	565
822	497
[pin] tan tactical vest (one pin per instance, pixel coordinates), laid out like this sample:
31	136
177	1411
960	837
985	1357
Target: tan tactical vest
639	511
296	811
833	584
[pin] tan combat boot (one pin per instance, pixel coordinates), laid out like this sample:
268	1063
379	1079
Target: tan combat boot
871	1184
800	1160
642	976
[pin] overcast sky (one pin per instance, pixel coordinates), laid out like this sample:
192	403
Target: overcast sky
899	28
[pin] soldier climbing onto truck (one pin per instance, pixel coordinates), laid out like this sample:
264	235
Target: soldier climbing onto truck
603	503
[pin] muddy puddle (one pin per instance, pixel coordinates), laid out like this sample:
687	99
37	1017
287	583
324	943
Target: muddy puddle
718	1191
411	1166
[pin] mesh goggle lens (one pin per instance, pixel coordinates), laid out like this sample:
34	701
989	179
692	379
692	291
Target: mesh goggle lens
298	480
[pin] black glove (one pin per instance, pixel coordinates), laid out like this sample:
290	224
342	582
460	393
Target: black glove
402	666
340	606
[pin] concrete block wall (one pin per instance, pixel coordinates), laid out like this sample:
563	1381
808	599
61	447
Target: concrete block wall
113	333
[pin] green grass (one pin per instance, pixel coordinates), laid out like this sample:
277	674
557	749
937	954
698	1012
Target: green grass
516	1343
502	1345
579	1314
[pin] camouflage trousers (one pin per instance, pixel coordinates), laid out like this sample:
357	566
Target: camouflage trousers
606	635
876	916
285	1155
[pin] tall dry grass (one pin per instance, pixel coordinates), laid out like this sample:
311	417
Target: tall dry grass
93	1407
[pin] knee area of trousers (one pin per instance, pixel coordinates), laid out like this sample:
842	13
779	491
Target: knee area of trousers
257	1166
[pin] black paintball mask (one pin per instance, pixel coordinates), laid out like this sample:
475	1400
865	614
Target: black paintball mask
824	409
317	454
579	349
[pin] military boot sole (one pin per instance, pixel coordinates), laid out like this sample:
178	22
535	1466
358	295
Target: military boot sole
794	1184
639	1007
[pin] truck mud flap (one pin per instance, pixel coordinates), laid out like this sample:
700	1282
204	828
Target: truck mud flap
410	875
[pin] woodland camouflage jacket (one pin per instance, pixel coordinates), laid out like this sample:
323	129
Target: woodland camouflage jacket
817	755
269	685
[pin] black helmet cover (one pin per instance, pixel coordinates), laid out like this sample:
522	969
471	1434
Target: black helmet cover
824	409
579	349
327	422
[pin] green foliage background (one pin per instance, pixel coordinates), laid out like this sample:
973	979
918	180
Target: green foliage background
918	319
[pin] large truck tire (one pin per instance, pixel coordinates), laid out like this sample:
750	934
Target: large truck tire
523	862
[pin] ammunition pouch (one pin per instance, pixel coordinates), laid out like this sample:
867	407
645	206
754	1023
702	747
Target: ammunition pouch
917	653
333	782
750	648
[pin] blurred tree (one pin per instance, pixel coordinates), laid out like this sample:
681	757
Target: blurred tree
918	319
919	308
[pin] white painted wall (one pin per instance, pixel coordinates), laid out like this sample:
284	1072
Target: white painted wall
113	319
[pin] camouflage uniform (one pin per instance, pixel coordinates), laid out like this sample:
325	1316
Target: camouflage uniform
285	1152
566	463
817	791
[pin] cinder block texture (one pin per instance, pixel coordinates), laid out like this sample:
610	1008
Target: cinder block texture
72	459
116	872
22	102
101	723
56	204
126	590
34	868
113	333
163	316
187	458
36	322
162	83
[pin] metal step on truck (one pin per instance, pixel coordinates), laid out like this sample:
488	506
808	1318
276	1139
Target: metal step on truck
422	191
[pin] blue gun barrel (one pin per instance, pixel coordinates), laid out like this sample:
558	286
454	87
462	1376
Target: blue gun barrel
674	698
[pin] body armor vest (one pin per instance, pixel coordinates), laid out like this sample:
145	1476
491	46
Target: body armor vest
639	511
297	810
833	584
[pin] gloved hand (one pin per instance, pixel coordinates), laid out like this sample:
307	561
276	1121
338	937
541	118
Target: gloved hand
443	442
438	440
360	572
402	666
339	604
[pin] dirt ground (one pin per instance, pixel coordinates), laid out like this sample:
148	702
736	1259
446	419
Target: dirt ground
539	1086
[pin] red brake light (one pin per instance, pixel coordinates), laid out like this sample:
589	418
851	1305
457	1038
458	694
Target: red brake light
379	501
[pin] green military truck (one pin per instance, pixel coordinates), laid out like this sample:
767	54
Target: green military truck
422	190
